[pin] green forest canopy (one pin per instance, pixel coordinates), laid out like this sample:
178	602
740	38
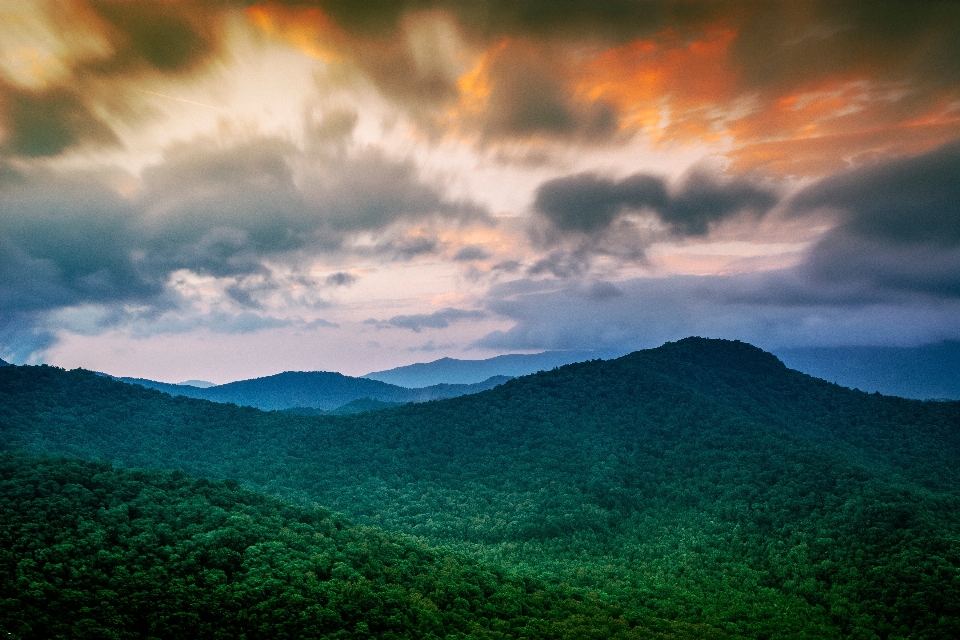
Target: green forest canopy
701	481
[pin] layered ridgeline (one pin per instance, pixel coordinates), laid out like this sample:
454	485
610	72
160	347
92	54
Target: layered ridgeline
452	370
924	372
324	390
702	481
94	552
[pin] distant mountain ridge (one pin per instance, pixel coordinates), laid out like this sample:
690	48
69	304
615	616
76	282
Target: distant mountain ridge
200	384
930	371
325	390
454	371
4	363
925	372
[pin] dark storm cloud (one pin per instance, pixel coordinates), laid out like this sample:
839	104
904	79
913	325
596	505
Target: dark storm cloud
67	240
44	122
222	211
436	320
899	225
882	265
590	204
905	201
165	36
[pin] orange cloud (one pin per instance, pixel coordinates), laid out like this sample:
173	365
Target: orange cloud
656	84
308	30
798	93
680	90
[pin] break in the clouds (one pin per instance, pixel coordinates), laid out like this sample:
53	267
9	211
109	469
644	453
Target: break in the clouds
348	176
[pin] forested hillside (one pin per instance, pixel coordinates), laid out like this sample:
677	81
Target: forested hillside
313	389
701	481
92	552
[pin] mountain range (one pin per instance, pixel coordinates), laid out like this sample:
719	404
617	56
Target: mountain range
313	390
453	371
702	482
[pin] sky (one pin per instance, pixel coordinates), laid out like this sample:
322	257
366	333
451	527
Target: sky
222	190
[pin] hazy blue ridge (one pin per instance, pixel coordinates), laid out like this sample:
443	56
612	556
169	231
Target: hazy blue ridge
200	384
313	389
453	371
702	481
926	372
4	363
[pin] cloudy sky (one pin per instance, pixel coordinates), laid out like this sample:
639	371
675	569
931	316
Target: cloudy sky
223	190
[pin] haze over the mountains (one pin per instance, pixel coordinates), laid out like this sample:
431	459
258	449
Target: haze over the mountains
314	390
926	372
454	371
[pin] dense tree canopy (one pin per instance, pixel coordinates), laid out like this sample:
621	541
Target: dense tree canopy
93	552
701	481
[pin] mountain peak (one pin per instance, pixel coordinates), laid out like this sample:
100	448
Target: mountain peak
720	352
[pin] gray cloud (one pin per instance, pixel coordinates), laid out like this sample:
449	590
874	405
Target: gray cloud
590	204
69	239
909	200
899	225
436	320
340	279
471	252
581	216
528	98
774	309
320	323
887	273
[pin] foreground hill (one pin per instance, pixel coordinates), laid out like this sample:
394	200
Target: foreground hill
454	371
313	389
94	552
701	481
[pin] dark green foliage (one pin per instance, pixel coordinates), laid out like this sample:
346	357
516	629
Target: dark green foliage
87	551
364	404
356	406
701	481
